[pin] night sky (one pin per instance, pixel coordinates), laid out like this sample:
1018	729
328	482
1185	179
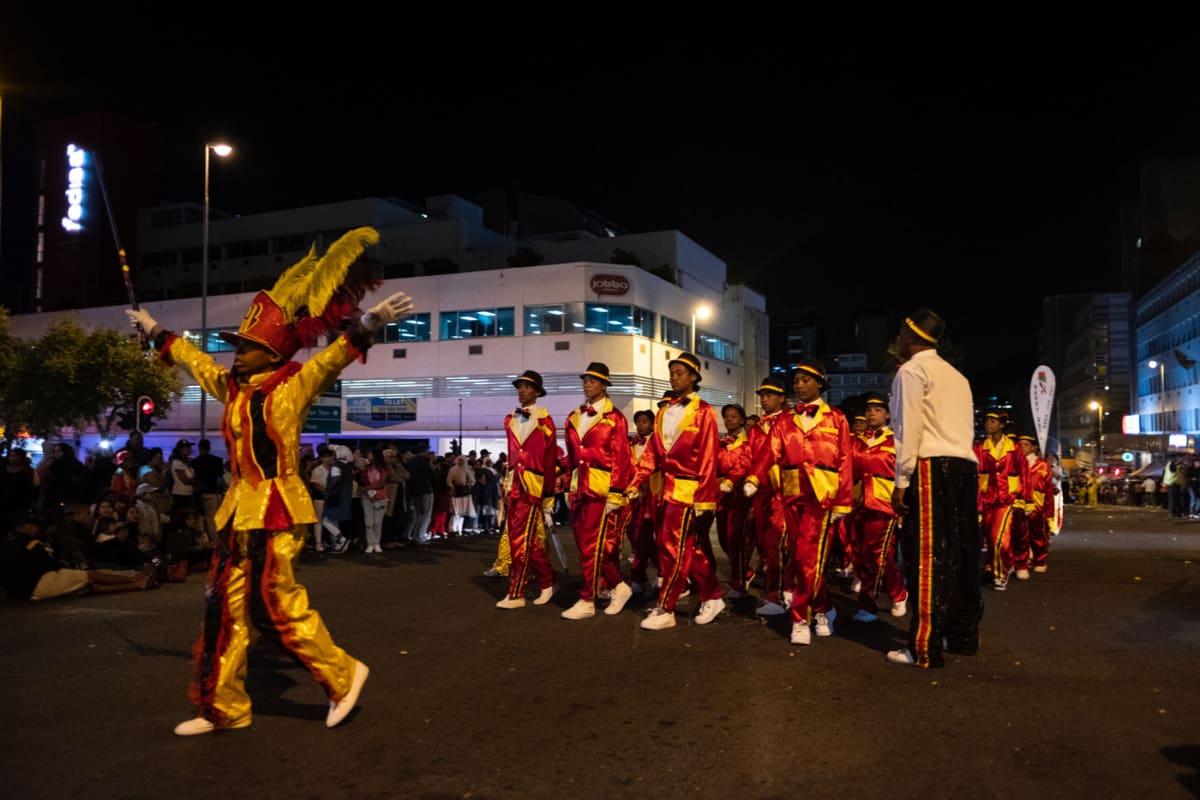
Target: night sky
864	163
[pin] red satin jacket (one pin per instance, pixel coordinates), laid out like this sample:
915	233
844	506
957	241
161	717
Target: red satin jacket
600	462
875	469
821	455
1001	467
689	467
534	462
758	436
1039	487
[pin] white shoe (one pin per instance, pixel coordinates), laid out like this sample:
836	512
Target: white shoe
194	727
338	710
900	609
511	602
823	623
709	610
787	599
901	656
581	610
659	619
864	616
769	609
620	596
856	586
545	595
1000	584
1040	569
801	633
1022	574
492	572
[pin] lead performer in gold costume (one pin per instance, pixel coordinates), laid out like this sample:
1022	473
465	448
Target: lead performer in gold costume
266	511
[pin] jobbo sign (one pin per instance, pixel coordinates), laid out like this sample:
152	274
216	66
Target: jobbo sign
1041	400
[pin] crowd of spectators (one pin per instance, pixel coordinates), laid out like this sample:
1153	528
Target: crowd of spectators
135	517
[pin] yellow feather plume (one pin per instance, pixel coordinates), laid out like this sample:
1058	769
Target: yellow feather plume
311	282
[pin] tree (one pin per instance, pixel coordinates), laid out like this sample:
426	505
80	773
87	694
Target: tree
525	257
72	378
622	256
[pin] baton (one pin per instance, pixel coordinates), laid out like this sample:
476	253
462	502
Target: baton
133	303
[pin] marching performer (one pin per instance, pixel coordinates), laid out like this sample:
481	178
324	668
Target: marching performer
267	509
598	457
640	515
811	447
684	447
733	509
873	522
1034	543
769	524
533	462
1000	491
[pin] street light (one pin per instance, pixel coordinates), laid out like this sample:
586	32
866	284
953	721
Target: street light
1162	374
1099	409
221	150
700	312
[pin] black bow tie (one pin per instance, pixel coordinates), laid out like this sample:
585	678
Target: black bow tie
586	409
810	409
521	412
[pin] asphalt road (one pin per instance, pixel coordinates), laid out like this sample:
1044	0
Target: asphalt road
1085	686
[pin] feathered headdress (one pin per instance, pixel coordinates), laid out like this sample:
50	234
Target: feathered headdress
311	298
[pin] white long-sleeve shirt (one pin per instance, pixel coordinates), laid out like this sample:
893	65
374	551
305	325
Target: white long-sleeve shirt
933	413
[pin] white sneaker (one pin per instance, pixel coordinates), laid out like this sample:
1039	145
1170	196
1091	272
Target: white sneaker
511	602
856	586
1022	574
801	633
864	616
659	619
901	656
709	610
1000	584
900	609
492	572
545	595
194	727
581	610
769	609
620	596
340	709
1040	569
823	623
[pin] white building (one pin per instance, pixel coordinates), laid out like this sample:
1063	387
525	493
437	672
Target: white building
446	372
1167	396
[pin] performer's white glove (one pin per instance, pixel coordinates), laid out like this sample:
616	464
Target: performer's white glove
140	318
750	489
632	494
393	309
726	486
610	507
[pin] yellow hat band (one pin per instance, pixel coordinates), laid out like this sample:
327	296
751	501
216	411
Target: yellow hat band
920	333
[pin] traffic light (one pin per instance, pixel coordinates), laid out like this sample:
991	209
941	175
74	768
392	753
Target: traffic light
145	408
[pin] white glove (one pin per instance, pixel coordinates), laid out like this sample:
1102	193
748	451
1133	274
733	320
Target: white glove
610	507
140	318
726	486
393	309
750	489
632	494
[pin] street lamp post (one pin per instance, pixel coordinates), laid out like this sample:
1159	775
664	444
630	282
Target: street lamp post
221	150
701	312
1099	409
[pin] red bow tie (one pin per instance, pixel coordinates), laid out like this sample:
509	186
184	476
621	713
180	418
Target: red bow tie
586	409
675	400
521	413
810	409
639	440
874	434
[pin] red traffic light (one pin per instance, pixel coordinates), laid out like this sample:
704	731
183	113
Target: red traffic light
147	406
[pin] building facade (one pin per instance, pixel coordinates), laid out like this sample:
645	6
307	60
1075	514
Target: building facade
1166	394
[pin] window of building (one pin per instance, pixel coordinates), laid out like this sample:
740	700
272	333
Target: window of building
628	320
479	322
416	328
676	333
215	343
710	346
554	318
290	244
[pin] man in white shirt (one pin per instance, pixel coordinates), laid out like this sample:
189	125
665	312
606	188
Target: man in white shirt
937	494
